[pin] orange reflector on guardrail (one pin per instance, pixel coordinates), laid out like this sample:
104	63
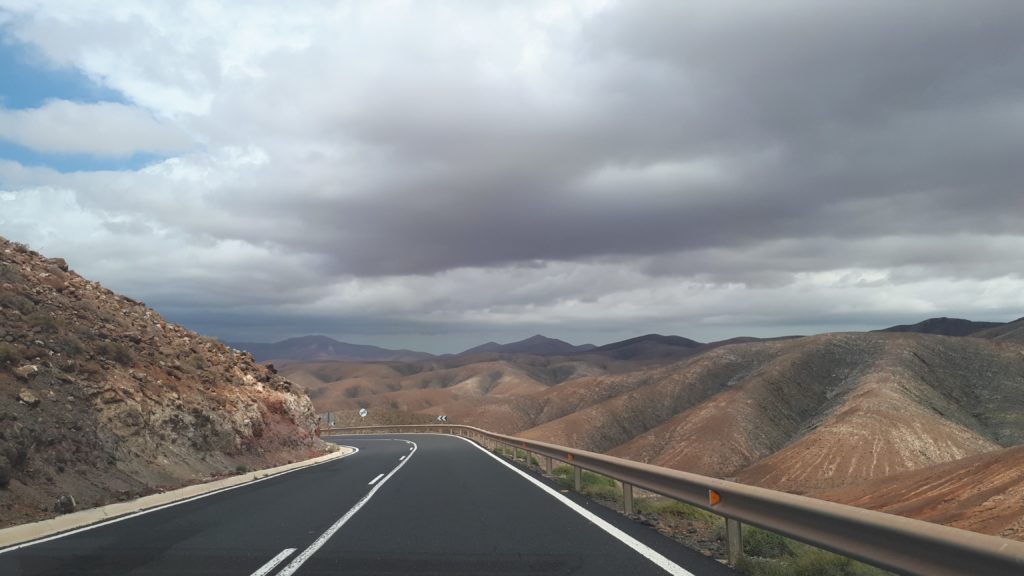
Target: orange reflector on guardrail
569	457
714	497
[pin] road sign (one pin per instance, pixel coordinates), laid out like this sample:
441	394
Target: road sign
442	418
362	412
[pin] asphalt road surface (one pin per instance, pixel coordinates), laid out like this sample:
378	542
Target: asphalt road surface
404	504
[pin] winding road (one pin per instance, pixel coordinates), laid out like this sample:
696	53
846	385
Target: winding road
403	504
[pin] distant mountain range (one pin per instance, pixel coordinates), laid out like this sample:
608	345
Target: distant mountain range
536	345
944	326
959	327
310	348
650	347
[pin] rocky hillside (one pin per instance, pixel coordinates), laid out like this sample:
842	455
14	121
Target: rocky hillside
101	399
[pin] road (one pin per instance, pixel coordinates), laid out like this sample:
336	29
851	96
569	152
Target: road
414	504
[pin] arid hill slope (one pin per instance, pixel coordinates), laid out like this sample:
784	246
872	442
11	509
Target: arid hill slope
102	399
984	493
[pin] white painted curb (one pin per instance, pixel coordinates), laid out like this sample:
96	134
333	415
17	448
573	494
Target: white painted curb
35	530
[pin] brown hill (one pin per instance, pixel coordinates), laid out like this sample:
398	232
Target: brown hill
984	493
102	399
843	408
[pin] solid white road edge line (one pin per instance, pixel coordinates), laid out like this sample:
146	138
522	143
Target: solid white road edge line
379	476
299	560
266	568
641	548
161	507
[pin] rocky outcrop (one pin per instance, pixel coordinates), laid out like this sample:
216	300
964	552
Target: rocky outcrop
102	399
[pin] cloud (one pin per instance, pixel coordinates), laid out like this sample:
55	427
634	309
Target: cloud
584	168
99	129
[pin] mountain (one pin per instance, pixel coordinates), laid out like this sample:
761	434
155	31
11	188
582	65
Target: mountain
306	348
103	400
536	345
648	347
944	326
1011	331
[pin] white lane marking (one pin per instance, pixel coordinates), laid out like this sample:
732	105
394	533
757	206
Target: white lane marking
299	560
372	482
638	546
402	458
168	505
266	568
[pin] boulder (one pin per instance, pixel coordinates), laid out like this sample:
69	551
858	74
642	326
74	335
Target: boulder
27	397
27	371
65	504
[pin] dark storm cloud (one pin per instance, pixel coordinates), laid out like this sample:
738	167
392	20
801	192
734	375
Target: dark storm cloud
837	121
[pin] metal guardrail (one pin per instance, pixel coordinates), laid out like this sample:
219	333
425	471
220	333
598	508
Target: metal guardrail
891	542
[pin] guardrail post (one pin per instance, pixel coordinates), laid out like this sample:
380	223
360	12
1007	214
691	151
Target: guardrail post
547	464
578	477
733	540
627	499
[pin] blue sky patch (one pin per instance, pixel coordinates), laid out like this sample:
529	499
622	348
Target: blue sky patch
74	162
29	80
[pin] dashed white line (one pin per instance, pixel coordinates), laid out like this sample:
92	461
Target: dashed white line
299	560
374	481
402	458
266	568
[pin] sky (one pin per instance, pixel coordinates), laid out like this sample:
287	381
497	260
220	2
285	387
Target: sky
436	174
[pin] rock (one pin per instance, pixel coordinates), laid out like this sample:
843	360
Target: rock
59	263
65	504
27	397
27	371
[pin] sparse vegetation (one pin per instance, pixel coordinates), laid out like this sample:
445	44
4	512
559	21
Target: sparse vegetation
43	321
764	543
661	506
9	354
71	346
117	352
797	559
9	273
241	469
593	485
16	302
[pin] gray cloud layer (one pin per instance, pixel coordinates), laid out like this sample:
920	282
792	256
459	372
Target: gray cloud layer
590	169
